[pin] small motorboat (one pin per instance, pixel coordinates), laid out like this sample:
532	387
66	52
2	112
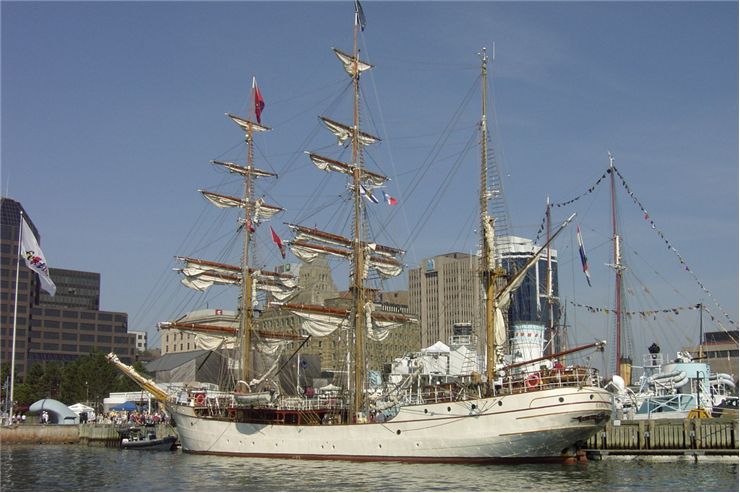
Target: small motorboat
145	439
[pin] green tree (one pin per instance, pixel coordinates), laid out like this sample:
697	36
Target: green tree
88	379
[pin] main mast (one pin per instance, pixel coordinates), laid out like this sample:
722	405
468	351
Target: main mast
358	289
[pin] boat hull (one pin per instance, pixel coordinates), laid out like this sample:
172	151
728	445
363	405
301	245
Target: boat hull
538	426
166	443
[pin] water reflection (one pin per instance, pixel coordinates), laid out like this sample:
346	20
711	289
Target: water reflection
75	467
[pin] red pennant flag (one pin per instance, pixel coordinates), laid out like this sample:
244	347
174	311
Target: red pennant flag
259	103
278	242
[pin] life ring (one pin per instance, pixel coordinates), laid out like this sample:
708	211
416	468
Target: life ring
200	399
533	381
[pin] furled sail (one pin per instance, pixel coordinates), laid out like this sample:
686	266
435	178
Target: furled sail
488	235
222	201
386	265
308	252
349	62
260	210
235	168
246	125
327	164
320	321
378	257
224	334
202	274
344	132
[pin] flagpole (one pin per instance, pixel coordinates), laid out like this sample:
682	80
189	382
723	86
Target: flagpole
15	315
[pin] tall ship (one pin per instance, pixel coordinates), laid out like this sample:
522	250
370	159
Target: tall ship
515	412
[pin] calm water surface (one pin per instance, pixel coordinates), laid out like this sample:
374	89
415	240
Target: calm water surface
81	468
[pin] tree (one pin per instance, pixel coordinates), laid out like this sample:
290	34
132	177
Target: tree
88	379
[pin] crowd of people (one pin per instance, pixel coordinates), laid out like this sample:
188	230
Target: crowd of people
112	417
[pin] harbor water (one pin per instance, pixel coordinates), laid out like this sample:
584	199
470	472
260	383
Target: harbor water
25	467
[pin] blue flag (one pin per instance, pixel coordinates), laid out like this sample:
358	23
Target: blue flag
582	251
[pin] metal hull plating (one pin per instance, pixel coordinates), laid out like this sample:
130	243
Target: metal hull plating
541	425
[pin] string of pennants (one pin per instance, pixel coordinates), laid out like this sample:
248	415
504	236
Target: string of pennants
563	204
643	314
647	217
688	269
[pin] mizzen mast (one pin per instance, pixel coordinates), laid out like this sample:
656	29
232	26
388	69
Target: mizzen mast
488	271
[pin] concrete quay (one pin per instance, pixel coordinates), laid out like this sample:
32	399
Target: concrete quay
86	433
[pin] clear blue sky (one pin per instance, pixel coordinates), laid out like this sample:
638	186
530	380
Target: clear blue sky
111	113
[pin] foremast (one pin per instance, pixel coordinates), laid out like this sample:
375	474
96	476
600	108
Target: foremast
201	274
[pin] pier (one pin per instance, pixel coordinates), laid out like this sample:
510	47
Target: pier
87	434
696	439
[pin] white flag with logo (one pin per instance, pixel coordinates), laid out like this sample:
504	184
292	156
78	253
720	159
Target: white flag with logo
34	257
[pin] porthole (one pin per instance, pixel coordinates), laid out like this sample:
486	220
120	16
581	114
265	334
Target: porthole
561	399
398	432
449	409
500	403
591	397
426	411
473	406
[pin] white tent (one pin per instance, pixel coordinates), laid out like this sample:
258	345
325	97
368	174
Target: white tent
80	408
437	347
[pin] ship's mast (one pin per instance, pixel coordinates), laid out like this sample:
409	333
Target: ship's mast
487	269
548	281
618	269
246	313
358	289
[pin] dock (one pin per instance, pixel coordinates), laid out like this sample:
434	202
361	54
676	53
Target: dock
666	439
90	434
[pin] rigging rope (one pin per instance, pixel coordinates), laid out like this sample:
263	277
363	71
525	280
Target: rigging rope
647	217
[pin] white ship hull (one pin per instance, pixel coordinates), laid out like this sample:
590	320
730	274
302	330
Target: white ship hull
534	426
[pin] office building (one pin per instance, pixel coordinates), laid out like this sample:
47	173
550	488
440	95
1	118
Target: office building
141	340
60	328
445	290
